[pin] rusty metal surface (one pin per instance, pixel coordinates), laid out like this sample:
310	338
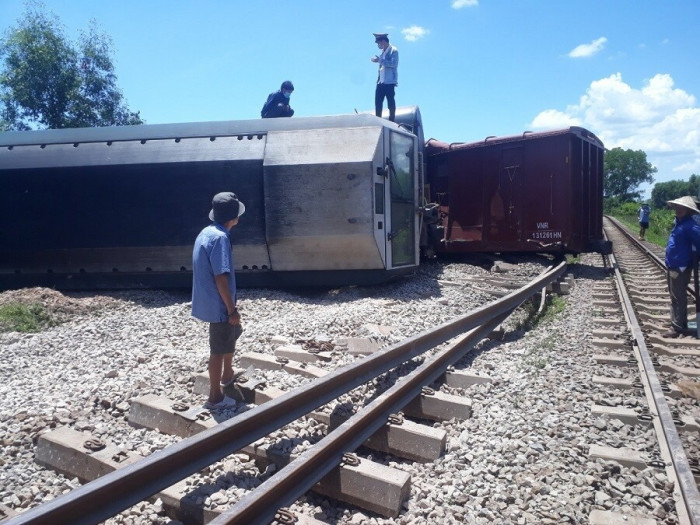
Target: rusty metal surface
114	492
536	192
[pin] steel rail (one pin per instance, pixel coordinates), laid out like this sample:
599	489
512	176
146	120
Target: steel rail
651	255
671	443
298	477
114	492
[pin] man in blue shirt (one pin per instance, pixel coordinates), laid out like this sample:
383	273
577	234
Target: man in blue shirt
214	294
644	215
684	239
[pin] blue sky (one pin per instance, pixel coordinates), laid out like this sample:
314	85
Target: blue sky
627	70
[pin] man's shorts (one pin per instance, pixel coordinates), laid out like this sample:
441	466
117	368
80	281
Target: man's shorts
222	337
644	225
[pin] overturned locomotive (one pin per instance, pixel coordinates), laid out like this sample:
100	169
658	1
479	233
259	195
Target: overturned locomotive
329	200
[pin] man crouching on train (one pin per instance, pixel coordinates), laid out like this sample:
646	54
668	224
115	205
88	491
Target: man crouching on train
684	238
214	294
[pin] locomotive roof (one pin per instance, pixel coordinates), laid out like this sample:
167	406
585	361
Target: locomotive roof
187	130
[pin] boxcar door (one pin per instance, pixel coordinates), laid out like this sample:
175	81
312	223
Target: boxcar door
504	208
402	194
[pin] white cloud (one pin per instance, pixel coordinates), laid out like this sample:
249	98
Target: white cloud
657	118
414	33
554	119
459	4
588	50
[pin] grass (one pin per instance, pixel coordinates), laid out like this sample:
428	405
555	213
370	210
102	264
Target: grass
554	305
16	317
654	237
660	224
533	359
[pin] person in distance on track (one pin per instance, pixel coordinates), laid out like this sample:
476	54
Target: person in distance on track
388	77
684	237
214	294
277	103
644	215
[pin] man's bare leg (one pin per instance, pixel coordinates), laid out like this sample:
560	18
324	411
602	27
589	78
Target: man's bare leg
216	365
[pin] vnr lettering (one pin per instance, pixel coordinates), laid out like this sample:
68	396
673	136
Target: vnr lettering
542	225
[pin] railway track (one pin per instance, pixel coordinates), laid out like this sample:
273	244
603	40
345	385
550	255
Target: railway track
134	479
361	418
666	367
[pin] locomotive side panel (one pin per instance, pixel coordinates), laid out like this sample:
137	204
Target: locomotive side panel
128	206
319	200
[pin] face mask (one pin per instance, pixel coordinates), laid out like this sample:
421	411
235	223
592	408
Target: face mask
286	94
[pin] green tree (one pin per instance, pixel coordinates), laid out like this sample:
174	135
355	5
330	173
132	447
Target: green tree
624	171
665	191
49	82
672	189
694	186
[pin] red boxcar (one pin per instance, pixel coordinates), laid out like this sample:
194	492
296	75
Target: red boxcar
535	192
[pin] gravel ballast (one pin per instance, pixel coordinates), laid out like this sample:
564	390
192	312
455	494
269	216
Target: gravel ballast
521	458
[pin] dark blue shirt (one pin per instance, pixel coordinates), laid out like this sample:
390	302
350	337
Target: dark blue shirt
270	107
644	213
684	236
211	257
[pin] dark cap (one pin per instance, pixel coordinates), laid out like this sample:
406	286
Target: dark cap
381	36
287	84
225	206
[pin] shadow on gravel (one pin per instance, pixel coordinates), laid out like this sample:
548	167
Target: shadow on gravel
586	271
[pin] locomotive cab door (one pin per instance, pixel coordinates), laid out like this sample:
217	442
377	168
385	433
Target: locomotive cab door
401	199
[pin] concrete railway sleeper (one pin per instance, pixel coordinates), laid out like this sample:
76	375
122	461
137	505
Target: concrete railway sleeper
137	481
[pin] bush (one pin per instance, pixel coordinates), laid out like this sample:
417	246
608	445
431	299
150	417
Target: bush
660	221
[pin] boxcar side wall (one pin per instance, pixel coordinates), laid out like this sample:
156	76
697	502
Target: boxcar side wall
534	193
548	195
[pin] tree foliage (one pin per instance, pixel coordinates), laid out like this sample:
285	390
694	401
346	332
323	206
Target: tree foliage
666	191
47	81
624	171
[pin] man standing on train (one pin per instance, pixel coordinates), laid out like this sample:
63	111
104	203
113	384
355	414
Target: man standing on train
388	77
682	242
214	294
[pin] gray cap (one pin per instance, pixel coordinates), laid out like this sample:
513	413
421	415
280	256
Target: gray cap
225	206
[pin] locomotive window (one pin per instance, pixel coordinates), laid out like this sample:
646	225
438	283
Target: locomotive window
401	180
401	168
379	198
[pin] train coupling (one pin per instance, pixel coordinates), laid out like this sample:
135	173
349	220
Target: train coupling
430	212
